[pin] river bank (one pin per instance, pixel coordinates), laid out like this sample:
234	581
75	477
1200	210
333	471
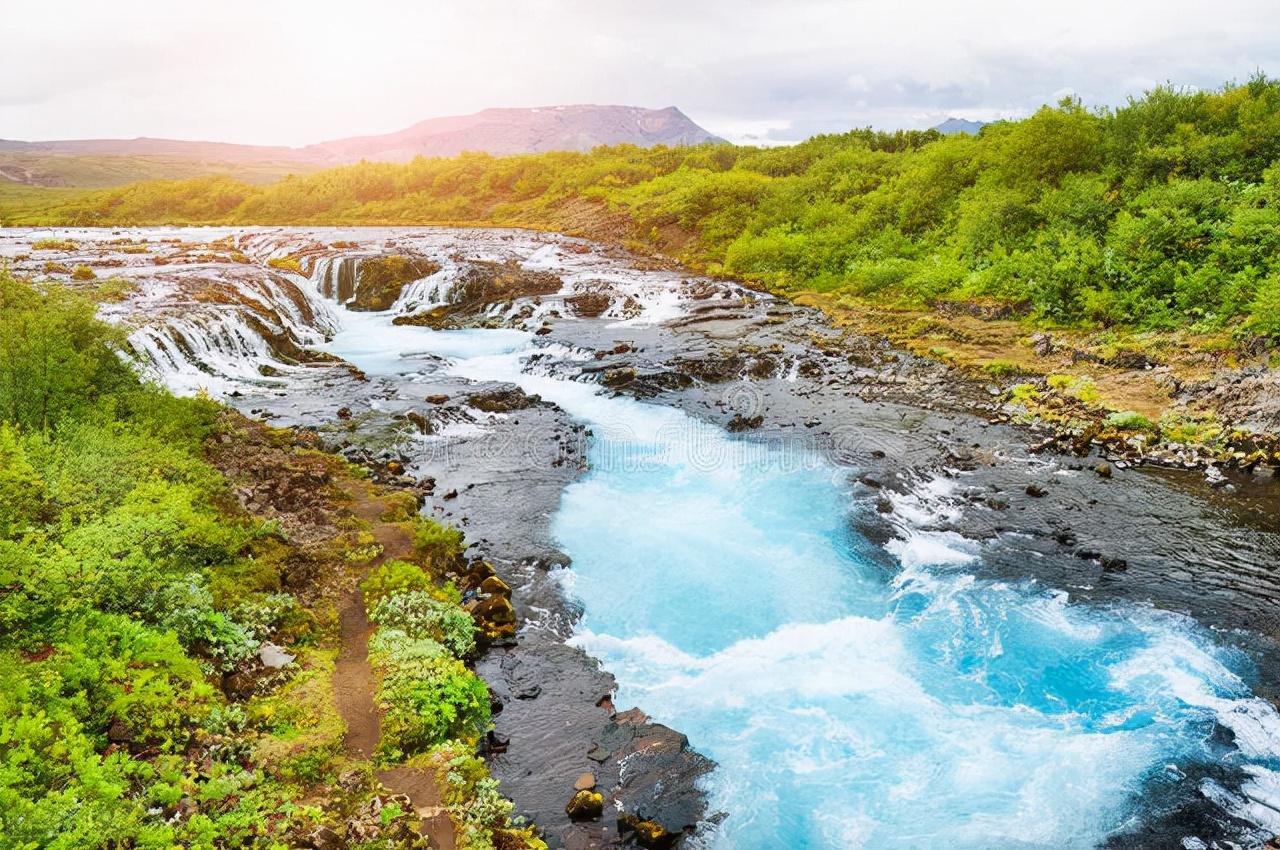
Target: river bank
930	471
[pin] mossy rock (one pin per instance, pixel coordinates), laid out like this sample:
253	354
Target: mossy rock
382	279
585	805
648	833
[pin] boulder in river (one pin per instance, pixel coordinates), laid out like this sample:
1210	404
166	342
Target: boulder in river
589	304
657	794
585	804
648	833
495	617
503	400
479	286
380	280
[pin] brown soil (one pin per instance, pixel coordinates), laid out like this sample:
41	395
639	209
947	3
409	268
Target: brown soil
354	682
353	679
421	789
353	676
277	474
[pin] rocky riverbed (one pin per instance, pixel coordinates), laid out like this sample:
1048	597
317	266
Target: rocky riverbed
258	317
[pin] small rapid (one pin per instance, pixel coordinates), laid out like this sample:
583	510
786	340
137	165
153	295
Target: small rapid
855	696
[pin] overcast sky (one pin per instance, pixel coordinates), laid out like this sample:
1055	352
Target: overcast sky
300	71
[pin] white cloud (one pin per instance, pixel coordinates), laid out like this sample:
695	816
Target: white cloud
290	71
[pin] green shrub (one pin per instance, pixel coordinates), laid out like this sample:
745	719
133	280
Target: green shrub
391	577
439	546
1001	368
56	358
1081	388
1128	420
23	496
1181	428
119	670
402	506
1264	311
1023	393
420	615
426	694
83	272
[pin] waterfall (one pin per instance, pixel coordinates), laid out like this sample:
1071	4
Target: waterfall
336	277
432	291
214	352
233	329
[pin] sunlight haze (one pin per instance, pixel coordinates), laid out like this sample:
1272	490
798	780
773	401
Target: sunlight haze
293	73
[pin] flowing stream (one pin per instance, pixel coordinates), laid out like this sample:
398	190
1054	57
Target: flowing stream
853	699
852	694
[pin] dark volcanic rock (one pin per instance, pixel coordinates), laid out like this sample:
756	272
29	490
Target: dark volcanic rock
714	369
657	782
503	401
744	423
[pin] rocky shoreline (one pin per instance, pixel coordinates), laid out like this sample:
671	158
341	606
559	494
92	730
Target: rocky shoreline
1175	402
930	449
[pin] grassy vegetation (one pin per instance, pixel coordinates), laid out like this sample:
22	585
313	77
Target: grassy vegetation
121	571
103	170
136	596
1163	213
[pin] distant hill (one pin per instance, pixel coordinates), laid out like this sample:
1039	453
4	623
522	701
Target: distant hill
511	131
109	162
953	126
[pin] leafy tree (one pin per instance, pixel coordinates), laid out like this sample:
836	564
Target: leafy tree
56	359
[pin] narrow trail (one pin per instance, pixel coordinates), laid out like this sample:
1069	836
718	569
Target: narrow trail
353	680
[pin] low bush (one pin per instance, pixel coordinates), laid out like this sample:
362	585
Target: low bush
439	546
1128	420
1002	368
391	577
420	615
481	816
426	694
53	245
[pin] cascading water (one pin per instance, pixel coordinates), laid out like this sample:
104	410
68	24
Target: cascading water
852	696
204	352
849	705
337	277
223	342
431	291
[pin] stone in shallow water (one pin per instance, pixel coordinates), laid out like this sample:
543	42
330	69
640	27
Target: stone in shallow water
585	805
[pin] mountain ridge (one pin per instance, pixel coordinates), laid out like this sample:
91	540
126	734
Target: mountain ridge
955	125
499	131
